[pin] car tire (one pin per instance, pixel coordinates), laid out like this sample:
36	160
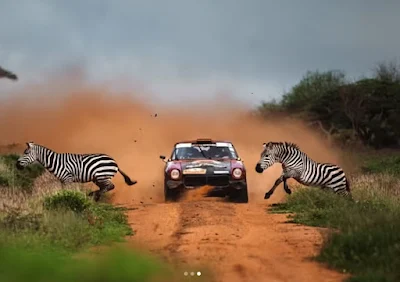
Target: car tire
171	195
240	196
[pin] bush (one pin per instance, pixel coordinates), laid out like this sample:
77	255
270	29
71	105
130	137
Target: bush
367	241
67	200
11	177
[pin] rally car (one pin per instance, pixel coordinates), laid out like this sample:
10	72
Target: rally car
201	162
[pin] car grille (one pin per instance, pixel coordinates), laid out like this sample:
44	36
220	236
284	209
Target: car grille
219	180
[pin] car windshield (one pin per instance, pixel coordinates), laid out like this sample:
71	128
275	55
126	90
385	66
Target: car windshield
204	152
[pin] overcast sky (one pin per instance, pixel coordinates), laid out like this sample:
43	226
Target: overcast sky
181	48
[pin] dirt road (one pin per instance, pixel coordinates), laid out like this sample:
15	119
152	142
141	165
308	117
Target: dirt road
238	242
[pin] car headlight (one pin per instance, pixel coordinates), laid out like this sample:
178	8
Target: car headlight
237	173
175	173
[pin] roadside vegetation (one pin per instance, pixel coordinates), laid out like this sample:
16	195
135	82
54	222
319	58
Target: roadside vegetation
361	238
48	234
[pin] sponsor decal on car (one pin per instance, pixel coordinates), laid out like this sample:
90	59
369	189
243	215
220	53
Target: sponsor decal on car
206	163
195	170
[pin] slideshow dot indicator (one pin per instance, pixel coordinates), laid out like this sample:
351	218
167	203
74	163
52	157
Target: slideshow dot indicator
198	273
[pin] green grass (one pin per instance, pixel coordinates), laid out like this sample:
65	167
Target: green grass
378	164
17	265
69	221
367	241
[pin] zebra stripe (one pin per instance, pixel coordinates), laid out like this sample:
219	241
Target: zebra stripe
68	168
296	164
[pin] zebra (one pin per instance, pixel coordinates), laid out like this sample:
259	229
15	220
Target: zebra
68	168
296	164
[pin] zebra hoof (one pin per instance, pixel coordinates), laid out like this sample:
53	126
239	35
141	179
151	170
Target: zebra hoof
90	194
288	191
267	195
96	197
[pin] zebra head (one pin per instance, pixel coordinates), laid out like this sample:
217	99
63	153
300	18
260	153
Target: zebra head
29	156
267	157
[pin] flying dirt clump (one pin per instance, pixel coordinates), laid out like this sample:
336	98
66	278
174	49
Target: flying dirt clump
92	120
196	194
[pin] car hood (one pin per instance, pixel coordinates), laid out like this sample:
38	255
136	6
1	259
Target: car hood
210	165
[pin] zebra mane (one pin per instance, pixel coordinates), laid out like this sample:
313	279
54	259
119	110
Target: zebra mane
285	144
33	144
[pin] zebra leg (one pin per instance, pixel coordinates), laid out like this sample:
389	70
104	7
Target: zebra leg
66	181
104	186
346	194
271	191
286	187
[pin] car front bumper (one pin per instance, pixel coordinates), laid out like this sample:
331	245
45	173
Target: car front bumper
219	183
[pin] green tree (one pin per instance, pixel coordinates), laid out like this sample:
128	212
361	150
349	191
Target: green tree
373	108
315	100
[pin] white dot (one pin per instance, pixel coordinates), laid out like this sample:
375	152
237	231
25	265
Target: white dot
198	273
185	273
192	273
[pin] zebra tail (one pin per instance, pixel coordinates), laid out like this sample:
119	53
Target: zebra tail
350	196
347	185
127	179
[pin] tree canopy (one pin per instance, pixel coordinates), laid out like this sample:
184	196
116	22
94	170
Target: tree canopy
366	110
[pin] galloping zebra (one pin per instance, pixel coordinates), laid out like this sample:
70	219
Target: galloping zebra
82	168
296	164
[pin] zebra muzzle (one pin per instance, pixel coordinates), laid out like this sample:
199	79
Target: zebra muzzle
19	166
259	168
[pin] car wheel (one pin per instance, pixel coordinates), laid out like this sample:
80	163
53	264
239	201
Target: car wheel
171	195
240	196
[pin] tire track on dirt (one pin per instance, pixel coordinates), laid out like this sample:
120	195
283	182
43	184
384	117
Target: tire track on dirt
239	242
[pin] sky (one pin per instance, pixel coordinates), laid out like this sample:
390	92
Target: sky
178	49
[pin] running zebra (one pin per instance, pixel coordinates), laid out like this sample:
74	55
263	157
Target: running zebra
82	168
296	164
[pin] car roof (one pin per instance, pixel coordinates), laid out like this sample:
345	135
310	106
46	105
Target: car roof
203	141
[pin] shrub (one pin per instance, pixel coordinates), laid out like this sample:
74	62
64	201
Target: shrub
67	200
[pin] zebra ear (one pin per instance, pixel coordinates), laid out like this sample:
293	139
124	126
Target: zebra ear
29	144
268	145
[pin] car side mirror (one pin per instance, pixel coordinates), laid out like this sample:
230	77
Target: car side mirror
163	158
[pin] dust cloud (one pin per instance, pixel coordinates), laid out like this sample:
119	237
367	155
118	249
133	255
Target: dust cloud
77	118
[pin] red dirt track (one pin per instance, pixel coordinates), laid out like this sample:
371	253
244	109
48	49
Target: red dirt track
238	242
